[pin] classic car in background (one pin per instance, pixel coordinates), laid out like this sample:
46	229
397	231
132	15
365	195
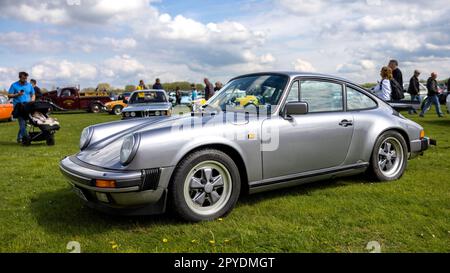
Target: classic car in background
116	107
308	127
70	98
6	108
147	103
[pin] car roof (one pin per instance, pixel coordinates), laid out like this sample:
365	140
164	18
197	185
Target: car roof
295	74
149	90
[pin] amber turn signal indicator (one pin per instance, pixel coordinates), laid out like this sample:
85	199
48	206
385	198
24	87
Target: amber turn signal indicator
105	183
422	134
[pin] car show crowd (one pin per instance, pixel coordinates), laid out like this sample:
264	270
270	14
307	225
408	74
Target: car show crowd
391	88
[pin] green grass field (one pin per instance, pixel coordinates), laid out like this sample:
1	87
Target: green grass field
39	213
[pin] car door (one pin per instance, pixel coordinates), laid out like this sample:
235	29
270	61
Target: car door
69	99
315	141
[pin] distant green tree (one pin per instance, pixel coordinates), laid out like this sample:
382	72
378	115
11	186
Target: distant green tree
369	85
104	86
130	88
88	90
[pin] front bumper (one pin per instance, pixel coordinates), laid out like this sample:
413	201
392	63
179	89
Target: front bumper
418	147
136	192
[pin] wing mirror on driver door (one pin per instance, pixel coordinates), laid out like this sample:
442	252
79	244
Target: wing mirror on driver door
295	108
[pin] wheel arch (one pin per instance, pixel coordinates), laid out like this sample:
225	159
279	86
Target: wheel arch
230	151
402	133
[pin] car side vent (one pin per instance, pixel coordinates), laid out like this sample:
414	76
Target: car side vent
151	179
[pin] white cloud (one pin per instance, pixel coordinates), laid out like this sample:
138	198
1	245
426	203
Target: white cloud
7	77
122	66
126	40
52	71
303	66
28	42
302	7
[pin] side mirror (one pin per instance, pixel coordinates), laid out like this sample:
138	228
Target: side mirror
170	99
125	101
295	108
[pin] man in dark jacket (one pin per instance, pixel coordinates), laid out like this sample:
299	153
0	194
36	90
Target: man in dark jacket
209	89
37	90
448	85
158	85
433	92
414	90
396	72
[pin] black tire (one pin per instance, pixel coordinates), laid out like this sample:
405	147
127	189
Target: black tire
51	140
382	154
26	142
117	110
95	108
180	191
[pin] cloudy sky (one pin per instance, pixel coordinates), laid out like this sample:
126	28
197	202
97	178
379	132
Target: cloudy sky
65	42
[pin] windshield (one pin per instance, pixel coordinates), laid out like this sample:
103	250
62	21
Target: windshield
251	94
148	97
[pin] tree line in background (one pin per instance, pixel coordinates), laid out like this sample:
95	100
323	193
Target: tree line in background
184	86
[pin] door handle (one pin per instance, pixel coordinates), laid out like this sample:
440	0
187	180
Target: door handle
346	123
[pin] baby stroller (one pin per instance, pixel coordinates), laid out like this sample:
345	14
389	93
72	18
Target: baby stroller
41	126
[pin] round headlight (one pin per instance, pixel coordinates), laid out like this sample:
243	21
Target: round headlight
157	113
127	114
85	138
129	149
133	114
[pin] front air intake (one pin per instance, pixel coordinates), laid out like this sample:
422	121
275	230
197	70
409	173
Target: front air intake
150	179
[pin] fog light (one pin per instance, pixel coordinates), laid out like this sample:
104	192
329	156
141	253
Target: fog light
105	183
422	134
102	197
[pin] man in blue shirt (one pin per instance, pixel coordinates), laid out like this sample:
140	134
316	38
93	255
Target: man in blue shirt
21	92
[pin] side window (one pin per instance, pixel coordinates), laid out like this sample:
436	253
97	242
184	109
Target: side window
358	101
322	96
293	93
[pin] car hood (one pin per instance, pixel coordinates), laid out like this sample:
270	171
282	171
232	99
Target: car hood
148	107
105	152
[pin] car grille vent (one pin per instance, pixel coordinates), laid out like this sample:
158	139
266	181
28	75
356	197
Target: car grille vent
151	179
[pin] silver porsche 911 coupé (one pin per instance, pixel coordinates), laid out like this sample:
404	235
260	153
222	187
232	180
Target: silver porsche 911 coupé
260	132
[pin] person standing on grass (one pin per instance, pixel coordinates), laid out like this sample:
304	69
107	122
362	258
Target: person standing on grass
383	89
194	93
433	92
209	89
448	86
37	90
414	90
21	92
178	95
396	72
218	86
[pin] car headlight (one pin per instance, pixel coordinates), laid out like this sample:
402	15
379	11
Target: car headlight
133	114
129	149
85	138
157	113
127	114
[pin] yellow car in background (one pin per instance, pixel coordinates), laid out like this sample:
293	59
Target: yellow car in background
244	101
116	107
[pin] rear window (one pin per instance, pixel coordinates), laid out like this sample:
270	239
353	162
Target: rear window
148	97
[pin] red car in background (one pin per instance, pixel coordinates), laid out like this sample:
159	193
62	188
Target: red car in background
70	98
